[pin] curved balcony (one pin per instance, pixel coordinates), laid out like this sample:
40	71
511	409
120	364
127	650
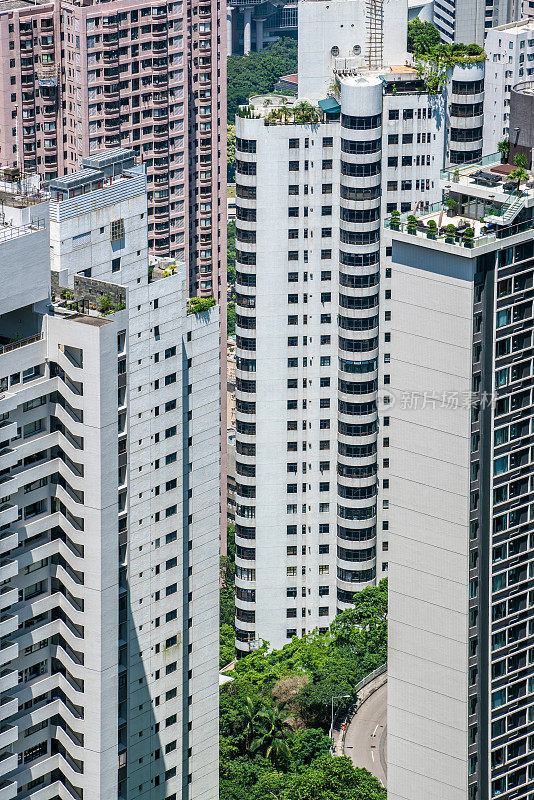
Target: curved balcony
355	579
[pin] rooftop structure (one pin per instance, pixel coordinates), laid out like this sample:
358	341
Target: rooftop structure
110	417
459	405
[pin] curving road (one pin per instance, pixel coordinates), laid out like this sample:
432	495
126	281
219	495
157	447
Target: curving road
365	740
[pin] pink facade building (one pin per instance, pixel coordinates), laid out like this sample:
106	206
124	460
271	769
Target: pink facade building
77	78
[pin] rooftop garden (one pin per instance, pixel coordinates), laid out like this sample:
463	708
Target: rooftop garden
434	59
281	111
197	305
84	303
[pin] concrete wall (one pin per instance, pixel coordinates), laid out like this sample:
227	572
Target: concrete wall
431	332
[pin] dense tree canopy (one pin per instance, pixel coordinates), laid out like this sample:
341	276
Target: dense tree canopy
230	149
258	72
227	604
275	714
422	36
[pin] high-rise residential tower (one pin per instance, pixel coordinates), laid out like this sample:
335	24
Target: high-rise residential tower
82	76
461	661
110	504
469	20
312	283
510	50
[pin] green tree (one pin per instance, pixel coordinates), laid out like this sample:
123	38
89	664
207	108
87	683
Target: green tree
503	148
520	175
253	713
227	604
272	742
261	756
230	151
230	318
308	744
520	160
258	73
330	778
422	36
365	623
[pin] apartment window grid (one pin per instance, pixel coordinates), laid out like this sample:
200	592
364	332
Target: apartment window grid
511	624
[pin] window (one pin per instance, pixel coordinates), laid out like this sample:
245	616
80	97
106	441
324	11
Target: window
117	230
324	569
393	114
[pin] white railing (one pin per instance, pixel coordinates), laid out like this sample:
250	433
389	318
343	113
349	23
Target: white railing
11	232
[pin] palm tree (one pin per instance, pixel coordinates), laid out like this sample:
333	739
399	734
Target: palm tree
504	148
252	712
306	112
285	111
272	743
520	174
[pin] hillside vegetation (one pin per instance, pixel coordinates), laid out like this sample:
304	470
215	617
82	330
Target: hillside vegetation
275	714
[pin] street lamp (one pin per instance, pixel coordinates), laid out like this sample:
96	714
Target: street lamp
335	697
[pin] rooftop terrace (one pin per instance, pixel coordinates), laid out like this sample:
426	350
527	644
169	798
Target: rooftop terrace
457	231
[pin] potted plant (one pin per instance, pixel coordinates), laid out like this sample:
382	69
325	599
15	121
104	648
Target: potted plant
432	229
411	224
456	176
503	148
395	220
450	233
468	237
452	205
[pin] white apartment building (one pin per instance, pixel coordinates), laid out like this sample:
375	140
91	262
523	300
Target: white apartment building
111	419
510	51
470	20
310	527
460	660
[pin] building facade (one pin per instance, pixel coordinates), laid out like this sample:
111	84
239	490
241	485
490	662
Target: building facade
510	51
312	273
111	417
81	77
460	661
469	21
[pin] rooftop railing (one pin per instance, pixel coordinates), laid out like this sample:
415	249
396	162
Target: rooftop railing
11	232
454	174
6	348
458	238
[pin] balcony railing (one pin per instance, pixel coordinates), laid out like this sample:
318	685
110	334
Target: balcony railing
458	239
